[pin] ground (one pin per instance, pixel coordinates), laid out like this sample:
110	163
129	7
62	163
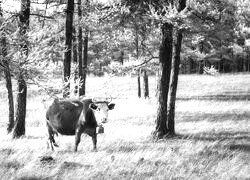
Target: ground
212	123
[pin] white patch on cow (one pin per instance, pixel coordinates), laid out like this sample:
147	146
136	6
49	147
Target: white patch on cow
75	104
82	118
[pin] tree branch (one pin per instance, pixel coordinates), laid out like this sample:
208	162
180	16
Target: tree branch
43	16
145	62
139	65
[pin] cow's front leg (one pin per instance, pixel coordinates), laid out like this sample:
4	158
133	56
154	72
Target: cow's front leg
78	133
94	139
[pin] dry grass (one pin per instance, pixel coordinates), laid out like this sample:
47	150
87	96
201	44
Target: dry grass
212	122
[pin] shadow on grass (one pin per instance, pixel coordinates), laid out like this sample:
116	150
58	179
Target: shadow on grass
240	147
223	96
33	177
70	165
6	151
236	140
213	117
11	165
121	147
220	136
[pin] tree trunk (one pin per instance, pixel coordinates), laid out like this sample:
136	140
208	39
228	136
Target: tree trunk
10	97
80	67
75	69
201	66
68	46
167	88
163	80
139	84
85	56
19	127
248	64
74	45
145	84
7	75
137	58
173	84
85	60
222	66
174	76
244	65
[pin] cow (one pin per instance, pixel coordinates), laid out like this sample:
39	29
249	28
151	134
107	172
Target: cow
74	117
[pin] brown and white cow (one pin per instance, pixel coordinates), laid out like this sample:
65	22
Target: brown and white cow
74	117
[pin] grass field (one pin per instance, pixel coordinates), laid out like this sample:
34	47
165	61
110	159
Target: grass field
212	123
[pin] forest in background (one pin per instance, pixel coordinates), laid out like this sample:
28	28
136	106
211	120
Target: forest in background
216	33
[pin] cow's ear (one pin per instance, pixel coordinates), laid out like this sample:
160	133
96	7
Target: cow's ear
93	106
111	106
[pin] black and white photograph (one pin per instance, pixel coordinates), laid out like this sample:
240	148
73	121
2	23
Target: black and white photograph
124	89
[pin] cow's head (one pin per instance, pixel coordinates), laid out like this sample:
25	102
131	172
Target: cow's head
101	109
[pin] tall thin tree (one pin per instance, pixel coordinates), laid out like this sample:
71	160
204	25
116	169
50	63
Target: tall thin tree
75	56
163	79
74	45
85	54
137	58
145	84
68	46
139	83
174	75
80	42
24	18
7	73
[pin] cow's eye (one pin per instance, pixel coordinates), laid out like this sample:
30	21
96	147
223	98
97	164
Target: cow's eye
98	109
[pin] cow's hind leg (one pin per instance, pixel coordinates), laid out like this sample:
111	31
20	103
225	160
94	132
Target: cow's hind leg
51	137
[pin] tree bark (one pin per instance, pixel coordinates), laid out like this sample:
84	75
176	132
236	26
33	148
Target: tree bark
248	64
173	84
85	60
68	46
74	56
145	84
85	56
74	45
80	67
7	76
167	91
163	80
137	58
174	76
200	67
139	84
19	127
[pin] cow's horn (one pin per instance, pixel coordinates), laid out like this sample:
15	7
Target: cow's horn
94	100
109	99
